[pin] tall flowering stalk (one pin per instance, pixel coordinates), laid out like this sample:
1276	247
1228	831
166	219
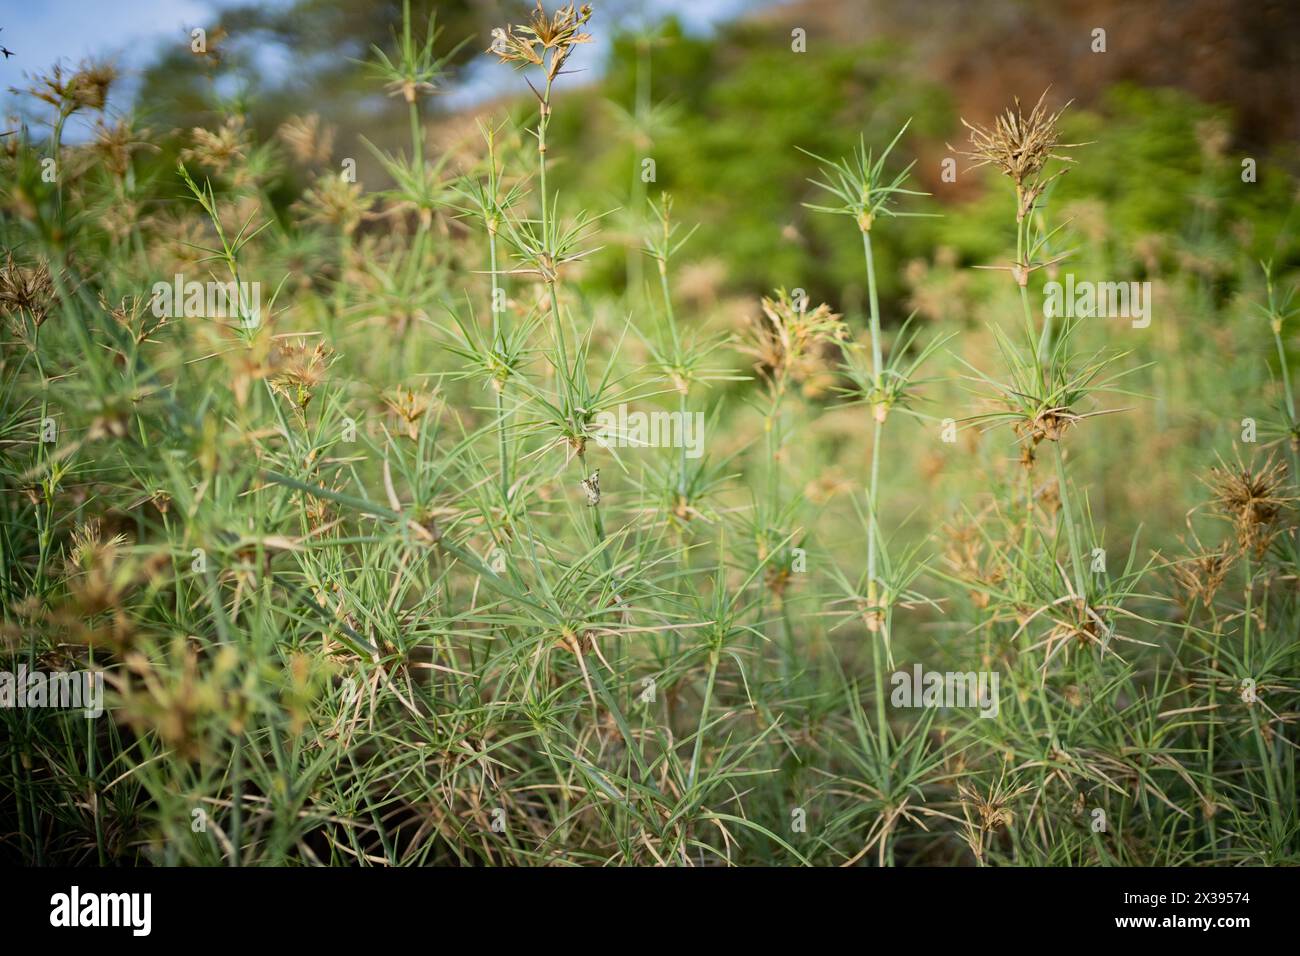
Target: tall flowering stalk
545	42
788	342
866	194
488	199
1045	400
1020	146
415	73
546	245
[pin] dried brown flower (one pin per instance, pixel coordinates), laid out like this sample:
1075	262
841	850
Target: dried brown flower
87	87
310	142
1200	576
1253	499
1020	147
529	44
27	291
410	406
218	150
786	339
301	371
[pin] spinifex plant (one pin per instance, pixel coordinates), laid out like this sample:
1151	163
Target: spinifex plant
369	587
867	192
1020	147
1044	398
546	245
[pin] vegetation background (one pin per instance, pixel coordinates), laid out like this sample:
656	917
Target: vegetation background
342	570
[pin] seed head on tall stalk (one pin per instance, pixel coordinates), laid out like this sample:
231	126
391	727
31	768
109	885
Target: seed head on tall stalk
1020	147
866	193
545	42
84	88
1278	310
789	342
546	245
415	73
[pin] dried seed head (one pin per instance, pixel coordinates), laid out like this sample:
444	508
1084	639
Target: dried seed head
410	406
26	291
87	87
1020	147
1200	576
542	41
302	369
1050	424
218	150
310	142
115	144
1253	499
90	84
787	340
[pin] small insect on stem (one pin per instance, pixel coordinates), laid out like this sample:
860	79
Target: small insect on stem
592	487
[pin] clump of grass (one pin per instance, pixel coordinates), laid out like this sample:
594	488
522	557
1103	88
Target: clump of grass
371	587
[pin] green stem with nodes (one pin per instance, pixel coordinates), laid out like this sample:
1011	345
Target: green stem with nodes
882	728
417	161
417	137
56	141
1210	726
771	430
704	719
1022	283
498	341
544	119
873	592
340	287
877	361
1021	276
641	110
1029	477
681	394
877	357
772	444
412	107
1289	396
1070	531
1265	756
1044	340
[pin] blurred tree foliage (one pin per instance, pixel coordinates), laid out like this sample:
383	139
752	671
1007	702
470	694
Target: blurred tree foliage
732	112
319	40
724	118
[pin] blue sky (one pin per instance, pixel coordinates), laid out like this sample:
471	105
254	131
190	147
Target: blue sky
41	32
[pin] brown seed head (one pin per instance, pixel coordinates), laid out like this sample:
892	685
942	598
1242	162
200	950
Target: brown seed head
1253	499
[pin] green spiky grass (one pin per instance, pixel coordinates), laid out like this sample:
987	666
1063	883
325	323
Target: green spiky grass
357	605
